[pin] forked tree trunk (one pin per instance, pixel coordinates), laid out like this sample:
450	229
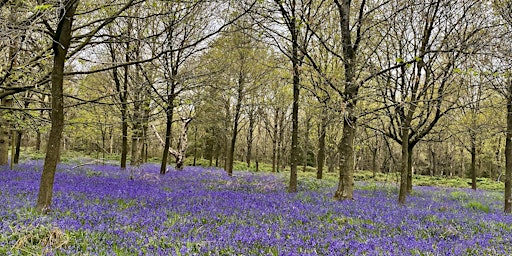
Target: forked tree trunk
61	43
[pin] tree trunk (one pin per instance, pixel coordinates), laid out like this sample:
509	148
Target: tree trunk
211	142
236	120
124	132
134	157
404	170
306	145
19	135
5	133
409	169
168	130
61	43
294	152
274	142
122	91
345	188
433	168
321	149
508	154
473	163
250	138
374	160
195	146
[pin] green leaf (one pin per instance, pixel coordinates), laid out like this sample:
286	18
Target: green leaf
43	7
399	60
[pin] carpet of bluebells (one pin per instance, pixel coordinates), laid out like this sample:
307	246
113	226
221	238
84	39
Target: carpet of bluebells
103	210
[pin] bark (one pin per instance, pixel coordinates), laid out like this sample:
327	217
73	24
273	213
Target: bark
374	161
306	145
19	135
124	134
38	140
61	43
236	121
280	148
195	147
433	162
136	136
274	142
345	188
404	168
409	169
250	138
122	91
321	149
168	129
211	146
508	154
294	152
5	134
473	164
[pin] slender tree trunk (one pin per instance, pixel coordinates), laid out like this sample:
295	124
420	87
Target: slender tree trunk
38	140
473	163
321	149
236	120
134	157
306	145
61	43
294	152
122	91
250	138
374	161
124	134
19	135
275	162
404	168
508	154
168	130
433	162
211	142
409	169
195	146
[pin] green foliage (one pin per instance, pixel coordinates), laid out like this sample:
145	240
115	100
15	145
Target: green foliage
475	205
43	7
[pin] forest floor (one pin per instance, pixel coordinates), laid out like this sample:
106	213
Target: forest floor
103	210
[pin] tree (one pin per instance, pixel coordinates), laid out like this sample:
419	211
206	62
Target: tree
420	93
504	85
62	39
287	15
